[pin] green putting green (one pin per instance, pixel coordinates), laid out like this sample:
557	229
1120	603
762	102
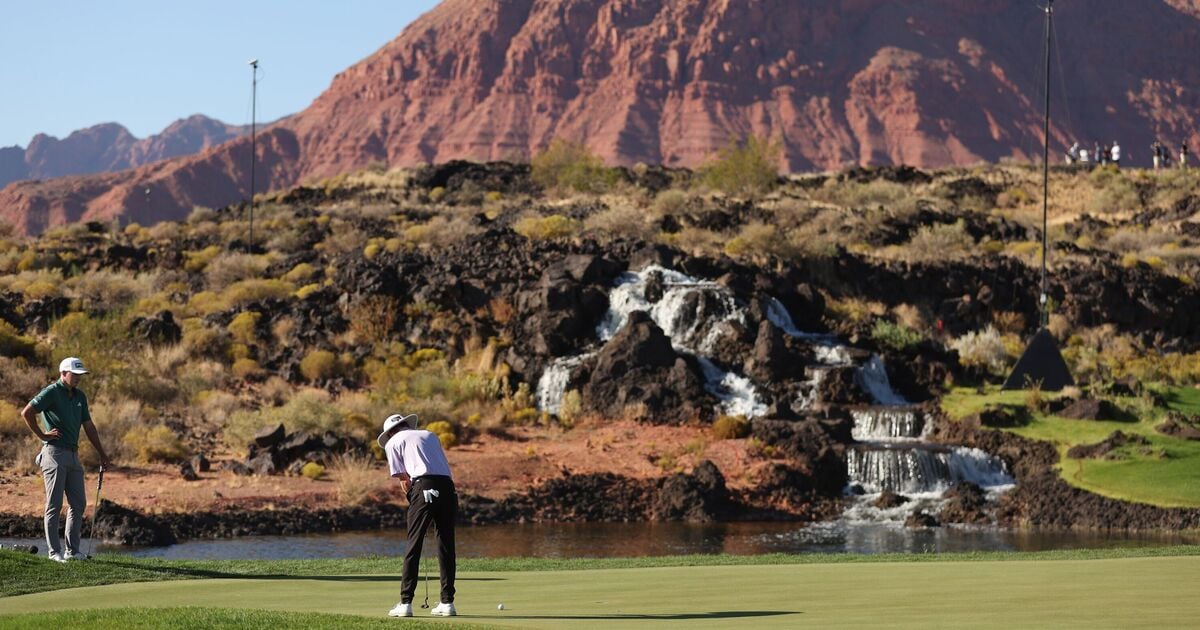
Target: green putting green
1119	592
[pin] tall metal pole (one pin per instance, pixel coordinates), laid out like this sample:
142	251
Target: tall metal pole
253	139
1045	302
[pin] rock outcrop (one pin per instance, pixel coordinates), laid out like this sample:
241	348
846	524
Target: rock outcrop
928	83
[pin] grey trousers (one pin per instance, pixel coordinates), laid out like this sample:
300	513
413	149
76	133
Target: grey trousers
62	472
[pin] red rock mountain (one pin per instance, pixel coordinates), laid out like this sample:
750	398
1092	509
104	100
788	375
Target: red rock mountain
925	82
110	147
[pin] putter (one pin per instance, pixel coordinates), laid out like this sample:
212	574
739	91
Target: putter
425	574
95	510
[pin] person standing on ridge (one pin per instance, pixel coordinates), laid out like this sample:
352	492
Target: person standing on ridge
64	409
1116	154
416	458
1183	154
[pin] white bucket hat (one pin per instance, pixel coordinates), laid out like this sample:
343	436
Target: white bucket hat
392	424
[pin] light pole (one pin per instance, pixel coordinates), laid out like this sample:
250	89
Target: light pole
253	148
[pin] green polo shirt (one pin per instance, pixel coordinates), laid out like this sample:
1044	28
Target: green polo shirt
62	409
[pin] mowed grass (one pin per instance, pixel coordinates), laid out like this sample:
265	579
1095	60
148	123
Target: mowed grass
1168	475
1109	588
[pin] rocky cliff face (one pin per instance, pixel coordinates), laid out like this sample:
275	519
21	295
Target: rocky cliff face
110	147
929	83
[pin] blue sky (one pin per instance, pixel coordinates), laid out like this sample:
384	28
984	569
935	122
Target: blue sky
69	64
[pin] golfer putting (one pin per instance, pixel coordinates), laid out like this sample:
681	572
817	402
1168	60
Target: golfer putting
416	458
64	409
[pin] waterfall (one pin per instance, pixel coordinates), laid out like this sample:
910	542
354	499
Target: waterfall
917	471
889	424
828	350
872	377
690	312
553	383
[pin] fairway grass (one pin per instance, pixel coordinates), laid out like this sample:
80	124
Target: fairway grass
1167	476
1117	590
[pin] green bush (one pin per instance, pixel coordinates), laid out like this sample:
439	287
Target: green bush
444	431
246	369
895	336
155	444
318	365
244	327
730	428
14	344
312	470
744	169
247	291
570	165
548	228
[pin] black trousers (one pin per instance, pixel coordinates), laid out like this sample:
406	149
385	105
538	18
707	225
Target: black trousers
441	512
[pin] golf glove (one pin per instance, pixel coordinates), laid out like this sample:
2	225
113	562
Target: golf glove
430	495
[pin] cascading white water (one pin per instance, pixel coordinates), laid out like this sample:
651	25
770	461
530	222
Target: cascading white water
690	312
872	377
921	471
889	424
827	349
553	383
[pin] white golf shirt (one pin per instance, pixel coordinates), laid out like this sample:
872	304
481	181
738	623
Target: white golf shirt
416	453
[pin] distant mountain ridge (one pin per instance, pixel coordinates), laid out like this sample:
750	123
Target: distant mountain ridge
110	147
929	83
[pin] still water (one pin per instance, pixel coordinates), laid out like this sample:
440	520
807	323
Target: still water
604	540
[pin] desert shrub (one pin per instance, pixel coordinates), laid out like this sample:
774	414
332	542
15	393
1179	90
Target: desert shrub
444	431
15	345
758	240
312	470
113	419
983	349
308	410
854	309
879	193
198	260
303	292
940	241
910	316
357	480
276	391
254	290
620	219
243	328
99	341
343	237
300	273
744	169
135	382
697	241
20	380
730	428
17	442
155	444
1115	191
670	202
105	291
246	368
571	407
895	336
194	377
201	341
373	319
569	165
231	267
318	365
215	405
547	228
1010	322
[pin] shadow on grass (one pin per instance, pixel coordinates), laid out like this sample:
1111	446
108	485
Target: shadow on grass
729	614
185	573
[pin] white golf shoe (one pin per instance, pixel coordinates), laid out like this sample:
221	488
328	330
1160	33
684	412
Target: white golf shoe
401	610
444	610
57	558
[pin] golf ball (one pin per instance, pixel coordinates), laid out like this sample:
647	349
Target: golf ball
499	606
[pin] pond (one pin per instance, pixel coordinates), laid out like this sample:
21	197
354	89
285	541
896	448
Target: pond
603	540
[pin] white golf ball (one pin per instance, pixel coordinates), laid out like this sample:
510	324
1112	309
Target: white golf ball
499	606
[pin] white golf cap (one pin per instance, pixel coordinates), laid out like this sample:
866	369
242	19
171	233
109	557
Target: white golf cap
72	364
393	424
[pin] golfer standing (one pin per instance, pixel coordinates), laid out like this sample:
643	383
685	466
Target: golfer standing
64	408
417	459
